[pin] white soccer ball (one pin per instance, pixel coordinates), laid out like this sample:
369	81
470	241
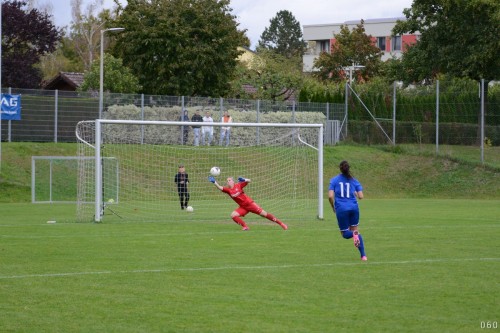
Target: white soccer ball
189	209
111	200
215	171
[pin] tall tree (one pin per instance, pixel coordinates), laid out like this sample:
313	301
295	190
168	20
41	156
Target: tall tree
86	26
350	48
117	78
284	36
26	36
412	68
53	63
458	37
179	47
273	76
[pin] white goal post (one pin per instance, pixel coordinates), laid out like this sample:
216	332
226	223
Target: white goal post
283	160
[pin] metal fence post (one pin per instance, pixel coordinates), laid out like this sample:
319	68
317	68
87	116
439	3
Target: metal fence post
142	118
346	107
394	113
182	119
258	121
482	121
9	124
56	99
437	117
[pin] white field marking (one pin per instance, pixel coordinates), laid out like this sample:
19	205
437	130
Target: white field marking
206	269
135	235
301	228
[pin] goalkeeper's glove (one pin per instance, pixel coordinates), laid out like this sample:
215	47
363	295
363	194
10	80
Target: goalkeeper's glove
241	179
211	179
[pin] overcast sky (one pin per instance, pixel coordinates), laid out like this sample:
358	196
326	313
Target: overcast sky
254	15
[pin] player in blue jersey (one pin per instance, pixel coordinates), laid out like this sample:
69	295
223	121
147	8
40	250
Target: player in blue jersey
343	194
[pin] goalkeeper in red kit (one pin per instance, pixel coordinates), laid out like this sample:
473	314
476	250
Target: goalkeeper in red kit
246	204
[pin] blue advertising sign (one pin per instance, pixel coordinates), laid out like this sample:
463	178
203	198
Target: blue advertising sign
11	107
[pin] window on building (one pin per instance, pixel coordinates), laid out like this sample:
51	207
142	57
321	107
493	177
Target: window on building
324	46
381	43
396	43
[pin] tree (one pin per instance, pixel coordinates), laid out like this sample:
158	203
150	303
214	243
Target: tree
273	76
412	68
350	48
26	36
179	47
52	63
284	36
85	33
458	37
117	78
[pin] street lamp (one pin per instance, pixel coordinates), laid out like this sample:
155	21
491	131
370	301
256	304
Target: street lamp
101	72
351	69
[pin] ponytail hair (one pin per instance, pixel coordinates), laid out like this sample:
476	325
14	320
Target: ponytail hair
345	169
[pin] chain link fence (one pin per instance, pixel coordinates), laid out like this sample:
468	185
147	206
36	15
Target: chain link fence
459	123
51	115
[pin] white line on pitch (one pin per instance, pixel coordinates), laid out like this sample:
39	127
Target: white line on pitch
201	269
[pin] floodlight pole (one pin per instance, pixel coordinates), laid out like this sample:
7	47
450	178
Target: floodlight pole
351	69
101	69
348	88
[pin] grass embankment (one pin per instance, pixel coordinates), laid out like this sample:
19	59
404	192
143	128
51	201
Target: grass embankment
384	173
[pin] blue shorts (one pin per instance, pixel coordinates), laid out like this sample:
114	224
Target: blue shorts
348	218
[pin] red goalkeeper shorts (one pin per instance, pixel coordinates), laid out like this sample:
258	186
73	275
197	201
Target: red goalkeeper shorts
250	208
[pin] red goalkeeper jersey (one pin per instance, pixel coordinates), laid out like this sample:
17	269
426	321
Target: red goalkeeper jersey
237	194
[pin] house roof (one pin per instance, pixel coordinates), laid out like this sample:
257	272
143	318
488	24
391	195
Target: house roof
69	80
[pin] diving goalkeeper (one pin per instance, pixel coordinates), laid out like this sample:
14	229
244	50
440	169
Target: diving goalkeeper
246	204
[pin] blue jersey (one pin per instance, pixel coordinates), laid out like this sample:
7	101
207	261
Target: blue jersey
344	189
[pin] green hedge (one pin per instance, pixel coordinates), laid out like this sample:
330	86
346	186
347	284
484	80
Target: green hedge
367	132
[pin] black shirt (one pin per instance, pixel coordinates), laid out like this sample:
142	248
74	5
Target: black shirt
197	118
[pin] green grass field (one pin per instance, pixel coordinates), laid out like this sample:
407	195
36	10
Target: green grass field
433	266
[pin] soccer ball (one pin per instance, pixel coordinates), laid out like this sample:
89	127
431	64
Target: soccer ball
189	209
111	200
215	171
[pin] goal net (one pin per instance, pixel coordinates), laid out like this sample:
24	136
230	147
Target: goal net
54	179
284	162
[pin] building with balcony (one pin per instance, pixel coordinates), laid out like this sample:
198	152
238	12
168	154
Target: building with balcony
320	37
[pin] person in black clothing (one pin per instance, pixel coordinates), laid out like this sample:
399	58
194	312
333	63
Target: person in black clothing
182	181
184	128
196	129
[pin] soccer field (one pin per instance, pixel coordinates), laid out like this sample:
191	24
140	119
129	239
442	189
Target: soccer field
433	266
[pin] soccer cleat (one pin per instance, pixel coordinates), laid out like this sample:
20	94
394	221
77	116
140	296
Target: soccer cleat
245	229
284	226
364	258
355	237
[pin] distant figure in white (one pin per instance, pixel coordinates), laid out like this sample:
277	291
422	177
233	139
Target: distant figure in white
225	132
207	132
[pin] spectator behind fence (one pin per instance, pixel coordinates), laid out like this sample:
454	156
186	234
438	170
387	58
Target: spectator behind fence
197	118
207	132
225	132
